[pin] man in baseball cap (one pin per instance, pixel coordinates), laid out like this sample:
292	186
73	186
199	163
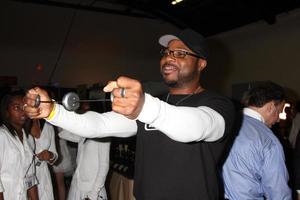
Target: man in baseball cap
181	136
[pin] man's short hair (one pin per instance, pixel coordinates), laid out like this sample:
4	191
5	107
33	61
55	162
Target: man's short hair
263	93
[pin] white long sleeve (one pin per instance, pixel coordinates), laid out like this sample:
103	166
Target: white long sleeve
197	123
103	153
92	124
52	145
202	123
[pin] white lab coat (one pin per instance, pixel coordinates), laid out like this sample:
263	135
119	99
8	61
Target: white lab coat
65	163
15	160
45	142
92	168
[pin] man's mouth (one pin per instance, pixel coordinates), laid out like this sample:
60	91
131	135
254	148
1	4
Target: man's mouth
168	69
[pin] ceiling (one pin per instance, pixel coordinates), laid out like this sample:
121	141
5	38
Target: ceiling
209	17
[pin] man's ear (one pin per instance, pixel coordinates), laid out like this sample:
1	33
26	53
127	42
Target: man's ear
201	64
270	106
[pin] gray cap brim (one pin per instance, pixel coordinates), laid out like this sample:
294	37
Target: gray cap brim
192	39
165	39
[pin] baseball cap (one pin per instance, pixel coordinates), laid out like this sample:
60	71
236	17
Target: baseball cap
193	40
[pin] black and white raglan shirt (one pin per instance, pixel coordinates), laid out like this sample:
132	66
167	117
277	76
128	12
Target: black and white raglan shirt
179	148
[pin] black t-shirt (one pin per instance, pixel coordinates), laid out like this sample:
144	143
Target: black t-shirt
169	170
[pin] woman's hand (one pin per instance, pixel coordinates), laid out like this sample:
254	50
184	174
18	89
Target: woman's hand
45	155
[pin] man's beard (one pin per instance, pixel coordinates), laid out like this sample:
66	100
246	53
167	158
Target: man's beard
171	84
181	80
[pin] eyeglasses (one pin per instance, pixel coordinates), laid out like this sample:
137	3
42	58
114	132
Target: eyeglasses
177	53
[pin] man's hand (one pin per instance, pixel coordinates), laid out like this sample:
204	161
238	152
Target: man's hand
128	96
41	111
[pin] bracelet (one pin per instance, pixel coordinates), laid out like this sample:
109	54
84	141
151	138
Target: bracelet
52	113
53	159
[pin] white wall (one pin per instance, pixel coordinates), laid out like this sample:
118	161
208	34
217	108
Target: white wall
257	52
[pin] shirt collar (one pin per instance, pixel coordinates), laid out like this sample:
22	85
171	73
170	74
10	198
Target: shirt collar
254	114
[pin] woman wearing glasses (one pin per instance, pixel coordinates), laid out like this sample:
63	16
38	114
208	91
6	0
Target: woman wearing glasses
17	166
